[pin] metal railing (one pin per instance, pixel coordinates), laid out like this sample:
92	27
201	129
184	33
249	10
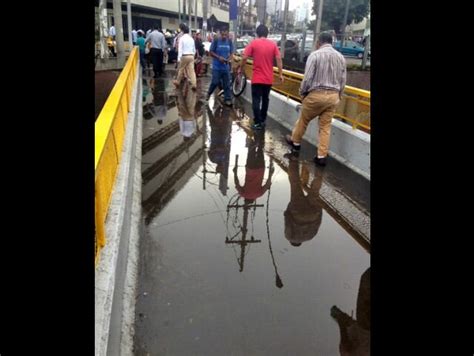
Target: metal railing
354	107
109	134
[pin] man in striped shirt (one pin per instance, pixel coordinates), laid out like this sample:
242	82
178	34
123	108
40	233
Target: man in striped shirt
321	90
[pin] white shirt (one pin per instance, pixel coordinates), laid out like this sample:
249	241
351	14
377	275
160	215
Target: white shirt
186	46
112	31
157	40
134	36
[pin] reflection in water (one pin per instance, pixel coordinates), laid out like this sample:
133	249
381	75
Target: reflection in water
250	192
188	232
304	212
175	158
156	100
188	111
254	171
147	98
219	150
161	104
355	334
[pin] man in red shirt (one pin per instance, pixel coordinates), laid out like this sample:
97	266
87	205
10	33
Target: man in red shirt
263	52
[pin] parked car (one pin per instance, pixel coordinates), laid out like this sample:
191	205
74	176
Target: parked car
291	49
240	45
350	48
308	48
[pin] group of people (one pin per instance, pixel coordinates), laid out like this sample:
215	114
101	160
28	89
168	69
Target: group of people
321	89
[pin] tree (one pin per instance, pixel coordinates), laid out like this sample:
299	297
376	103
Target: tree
333	13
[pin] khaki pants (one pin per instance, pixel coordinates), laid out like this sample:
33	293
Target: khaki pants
322	103
186	68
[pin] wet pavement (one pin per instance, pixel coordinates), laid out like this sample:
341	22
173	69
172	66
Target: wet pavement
244	250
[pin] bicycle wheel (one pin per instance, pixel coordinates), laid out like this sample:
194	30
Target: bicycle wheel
239	83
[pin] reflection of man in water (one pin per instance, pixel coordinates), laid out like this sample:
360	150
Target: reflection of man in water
355	334
254	172
187	112
161	104
304	212
148	107
221	127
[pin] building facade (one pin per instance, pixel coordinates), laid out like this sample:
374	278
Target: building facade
164	13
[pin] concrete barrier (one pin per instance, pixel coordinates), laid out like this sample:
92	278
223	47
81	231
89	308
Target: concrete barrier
350	147
116	272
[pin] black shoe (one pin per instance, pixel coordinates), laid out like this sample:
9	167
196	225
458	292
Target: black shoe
289	141
320	161
258	126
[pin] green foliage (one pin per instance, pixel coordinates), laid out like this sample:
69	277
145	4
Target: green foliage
333	13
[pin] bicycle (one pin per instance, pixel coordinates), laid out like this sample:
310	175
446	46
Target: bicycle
239	79
239	82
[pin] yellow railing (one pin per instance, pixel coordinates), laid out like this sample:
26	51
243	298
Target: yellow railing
109	133
354	107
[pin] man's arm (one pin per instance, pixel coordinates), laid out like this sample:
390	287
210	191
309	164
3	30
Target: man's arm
343	79
280	68
215	55
277	54
221	59
308	75
180	49
231	52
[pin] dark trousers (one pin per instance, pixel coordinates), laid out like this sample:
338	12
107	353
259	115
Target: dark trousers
220	77
260	93
157	60
112	49
142	59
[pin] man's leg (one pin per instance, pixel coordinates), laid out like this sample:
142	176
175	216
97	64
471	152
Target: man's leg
181	69
325	119
256	97
226	84
215	81
190	71
265	100
154	61
309	110
160	61
142	60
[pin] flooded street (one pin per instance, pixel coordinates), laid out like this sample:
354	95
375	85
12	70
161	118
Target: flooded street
245	250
